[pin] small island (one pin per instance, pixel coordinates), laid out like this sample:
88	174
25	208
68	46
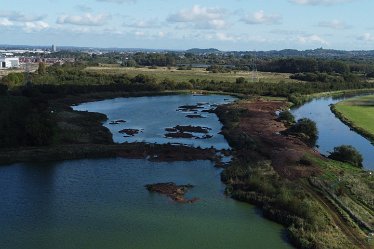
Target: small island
173	191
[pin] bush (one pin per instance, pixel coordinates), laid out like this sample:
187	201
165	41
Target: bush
287	117
347	154
240	80
307	129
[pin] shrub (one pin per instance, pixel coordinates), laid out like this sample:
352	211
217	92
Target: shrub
240	80
307	129
347	154
287	117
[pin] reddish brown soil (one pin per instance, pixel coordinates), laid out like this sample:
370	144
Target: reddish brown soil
285	152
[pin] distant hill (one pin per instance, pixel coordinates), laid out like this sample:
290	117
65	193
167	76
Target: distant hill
314	53
203	51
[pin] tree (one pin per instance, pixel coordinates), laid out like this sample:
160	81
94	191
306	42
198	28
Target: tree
41	68
347	154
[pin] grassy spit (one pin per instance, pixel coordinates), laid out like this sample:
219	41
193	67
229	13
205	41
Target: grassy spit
358	113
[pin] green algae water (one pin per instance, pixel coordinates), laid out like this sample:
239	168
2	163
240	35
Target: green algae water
103	204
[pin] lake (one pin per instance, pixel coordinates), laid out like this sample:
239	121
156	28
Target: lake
102	203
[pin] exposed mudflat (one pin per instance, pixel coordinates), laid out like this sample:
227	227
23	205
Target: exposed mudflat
260	124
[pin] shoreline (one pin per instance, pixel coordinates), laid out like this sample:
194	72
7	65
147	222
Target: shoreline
152	152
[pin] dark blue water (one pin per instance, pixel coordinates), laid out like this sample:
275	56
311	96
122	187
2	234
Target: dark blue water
333	132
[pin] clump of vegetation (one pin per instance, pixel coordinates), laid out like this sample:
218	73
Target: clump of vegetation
286	117
218	69
25	121
240	80
184	67
306	129
347	154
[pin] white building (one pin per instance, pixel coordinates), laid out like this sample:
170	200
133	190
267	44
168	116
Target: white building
9	62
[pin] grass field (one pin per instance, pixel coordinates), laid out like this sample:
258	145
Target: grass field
185	75
358	112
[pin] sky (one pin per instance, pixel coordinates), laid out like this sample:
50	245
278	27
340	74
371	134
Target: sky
181	24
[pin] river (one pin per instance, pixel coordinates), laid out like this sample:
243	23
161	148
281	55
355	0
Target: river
333	132
102	203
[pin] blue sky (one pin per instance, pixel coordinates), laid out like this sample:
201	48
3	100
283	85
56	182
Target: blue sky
182	24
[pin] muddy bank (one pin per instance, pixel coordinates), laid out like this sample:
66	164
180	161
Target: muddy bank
189	128
186	131
152	152
130	132
190	108
194	116
259	135
173	191
116	122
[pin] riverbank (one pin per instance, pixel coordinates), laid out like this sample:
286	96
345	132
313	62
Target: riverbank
152	152
299	99
357	113
293	184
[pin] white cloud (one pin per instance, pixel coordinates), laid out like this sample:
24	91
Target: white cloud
201	17
212	24
5	22
312	39
143	24
21	17
197	13
367	37
320	2
225	37
260	17
35	26
84	20
139	33
334	24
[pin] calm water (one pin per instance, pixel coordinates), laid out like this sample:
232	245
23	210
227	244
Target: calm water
333	132
102	203
153	114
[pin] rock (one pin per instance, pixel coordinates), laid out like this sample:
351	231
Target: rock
129	132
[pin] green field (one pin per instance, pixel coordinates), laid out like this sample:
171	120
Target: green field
359	113
162	73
